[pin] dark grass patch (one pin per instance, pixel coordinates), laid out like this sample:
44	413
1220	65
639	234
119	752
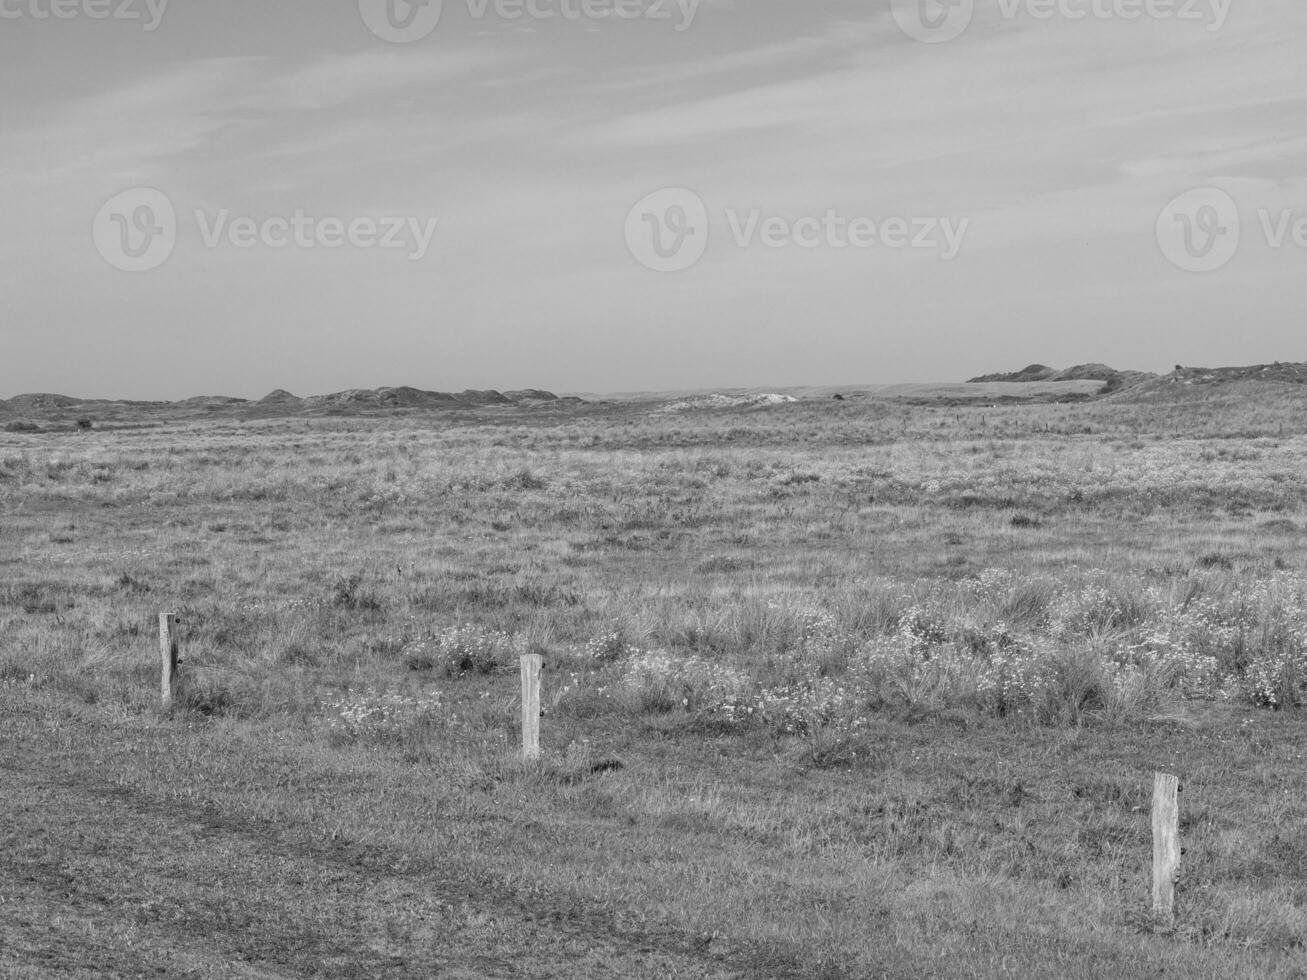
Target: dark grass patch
38	598
349	592
724	564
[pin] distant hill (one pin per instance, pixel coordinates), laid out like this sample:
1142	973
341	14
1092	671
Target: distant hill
1253	381
53	407
280	397
1086	372
720	401
1146	386
1287	372
417	398
1113	380
1034	372
40	402
211	401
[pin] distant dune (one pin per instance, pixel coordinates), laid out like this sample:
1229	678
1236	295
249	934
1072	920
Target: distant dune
715	400
39	402
280	397
406	397
1282	371
23	411
1111	377
1035	382
1034	372
380	397
1145	385
1254	382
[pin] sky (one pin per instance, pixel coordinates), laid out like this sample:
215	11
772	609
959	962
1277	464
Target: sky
619	195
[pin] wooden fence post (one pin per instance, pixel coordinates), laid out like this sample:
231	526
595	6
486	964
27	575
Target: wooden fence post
168	650
1166	843
531	666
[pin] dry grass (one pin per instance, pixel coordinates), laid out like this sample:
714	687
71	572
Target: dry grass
833	689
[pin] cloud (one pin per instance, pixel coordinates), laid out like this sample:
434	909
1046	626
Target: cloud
223	105
366	76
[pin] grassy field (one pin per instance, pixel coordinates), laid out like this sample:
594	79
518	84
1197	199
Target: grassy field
860	688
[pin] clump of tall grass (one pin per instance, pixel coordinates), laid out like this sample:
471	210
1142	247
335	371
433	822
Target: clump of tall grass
348	592
1000	645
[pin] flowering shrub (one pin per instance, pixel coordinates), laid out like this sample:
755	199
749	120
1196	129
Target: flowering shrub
1275	679
375	500
1093	608
816	627
609	646
361	714
1174	646
460	650
804	708
1248	645
724	695
1001	643
660	682
920	630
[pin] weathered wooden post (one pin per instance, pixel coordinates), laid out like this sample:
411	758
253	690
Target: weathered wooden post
1166	843
168	651
531	667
